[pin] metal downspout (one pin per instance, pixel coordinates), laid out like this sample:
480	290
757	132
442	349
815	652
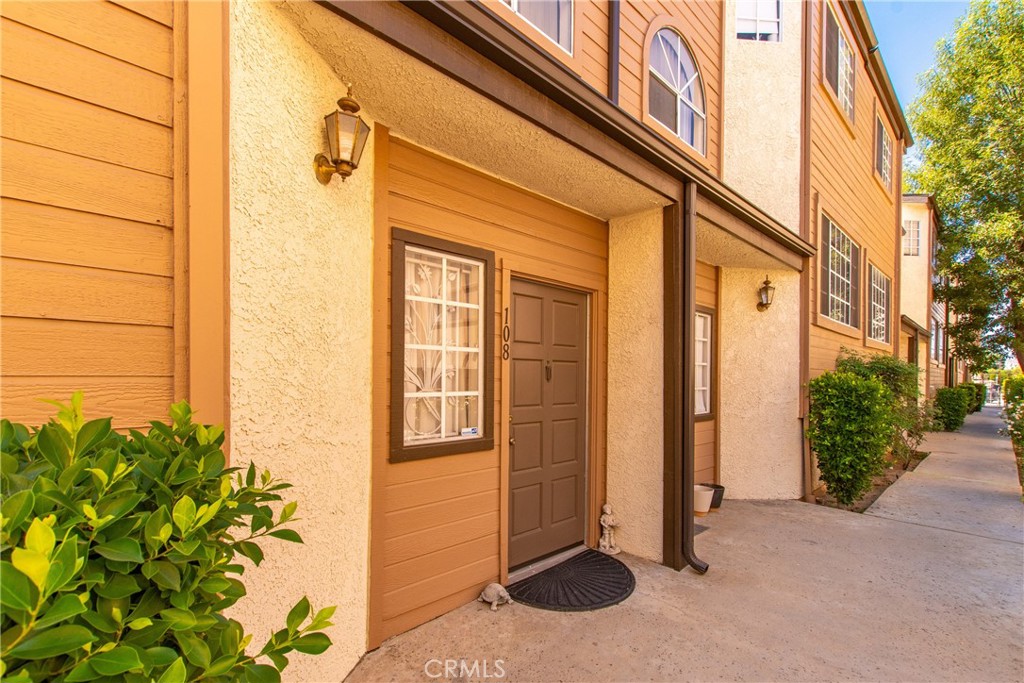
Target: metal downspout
689	283
614	17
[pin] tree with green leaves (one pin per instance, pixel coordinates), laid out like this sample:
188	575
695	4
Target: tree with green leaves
969	124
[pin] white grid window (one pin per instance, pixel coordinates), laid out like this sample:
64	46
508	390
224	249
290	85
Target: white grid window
702	364
759	20
880	288
676	94
883	153
911	238
838	62
444	338
841	262
553	18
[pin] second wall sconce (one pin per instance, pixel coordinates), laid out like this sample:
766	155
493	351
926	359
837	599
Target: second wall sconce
346	137
765	295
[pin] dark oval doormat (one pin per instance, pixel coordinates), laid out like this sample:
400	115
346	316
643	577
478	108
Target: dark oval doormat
590	580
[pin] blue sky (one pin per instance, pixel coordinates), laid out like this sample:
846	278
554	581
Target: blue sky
907	31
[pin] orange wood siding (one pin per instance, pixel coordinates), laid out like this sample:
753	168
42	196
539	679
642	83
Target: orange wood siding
846	188
704	37
87	241
705	454
436	522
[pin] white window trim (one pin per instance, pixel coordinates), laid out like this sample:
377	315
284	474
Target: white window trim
886	171
840	307
777	21
844	91
514	6
681	100
911	238
878	321
444	348
707	362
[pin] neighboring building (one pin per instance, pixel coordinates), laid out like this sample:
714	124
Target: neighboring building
922	320
536	294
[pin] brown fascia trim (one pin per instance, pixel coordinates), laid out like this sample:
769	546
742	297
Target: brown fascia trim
857	15
906	320
485	33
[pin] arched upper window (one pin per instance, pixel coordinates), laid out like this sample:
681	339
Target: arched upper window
676	93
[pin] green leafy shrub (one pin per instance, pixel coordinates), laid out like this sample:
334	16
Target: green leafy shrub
850	426
119	555
910	419
980	393
1013	389
951	404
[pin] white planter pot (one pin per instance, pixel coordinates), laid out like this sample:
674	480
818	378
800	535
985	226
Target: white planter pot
702	496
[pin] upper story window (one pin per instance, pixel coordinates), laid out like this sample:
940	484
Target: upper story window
702	363
840	275
883	153
553	18
676	93
441	329
759	20
880	293
911	238
838	62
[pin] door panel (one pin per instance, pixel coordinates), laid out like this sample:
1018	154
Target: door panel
547	467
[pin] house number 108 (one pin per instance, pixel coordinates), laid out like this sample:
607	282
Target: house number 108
506	334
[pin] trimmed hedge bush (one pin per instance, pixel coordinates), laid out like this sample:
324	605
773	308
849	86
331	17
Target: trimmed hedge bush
119	555
980	393
1013	389
951	405
850	427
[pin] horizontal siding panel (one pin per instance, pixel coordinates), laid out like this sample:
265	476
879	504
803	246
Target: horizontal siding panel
423	517
100	26
472	576
47	233
46	176
412	545
432	490
36	348
33	289
160	11
418	470
47	62
51	120
419	569
132	401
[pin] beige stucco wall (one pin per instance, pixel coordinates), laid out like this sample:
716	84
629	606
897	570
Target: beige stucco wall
635	381
761	150
760	386
300	333
914	281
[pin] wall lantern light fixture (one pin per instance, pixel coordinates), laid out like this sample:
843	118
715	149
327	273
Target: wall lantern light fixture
765	295
346	137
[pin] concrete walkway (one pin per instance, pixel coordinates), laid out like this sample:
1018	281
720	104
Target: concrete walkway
796	592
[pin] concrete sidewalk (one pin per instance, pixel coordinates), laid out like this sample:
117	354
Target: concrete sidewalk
968	483
796	592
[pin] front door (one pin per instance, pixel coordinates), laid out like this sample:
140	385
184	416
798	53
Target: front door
548	431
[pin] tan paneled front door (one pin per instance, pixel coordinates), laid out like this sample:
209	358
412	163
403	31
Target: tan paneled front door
548	431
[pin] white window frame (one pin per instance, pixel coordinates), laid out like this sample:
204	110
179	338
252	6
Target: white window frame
878	320
911	238
683	103
844	90
770	21
885	172
514	6
448	396
703	369
840	272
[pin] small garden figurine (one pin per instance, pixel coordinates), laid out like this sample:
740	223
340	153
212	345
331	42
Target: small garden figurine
608	524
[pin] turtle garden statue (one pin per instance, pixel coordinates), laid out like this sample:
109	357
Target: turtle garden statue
495	594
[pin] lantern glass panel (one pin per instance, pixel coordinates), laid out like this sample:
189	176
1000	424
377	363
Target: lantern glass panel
361	133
